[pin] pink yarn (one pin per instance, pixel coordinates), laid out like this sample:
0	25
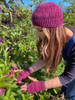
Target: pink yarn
36	86
23	74
48	14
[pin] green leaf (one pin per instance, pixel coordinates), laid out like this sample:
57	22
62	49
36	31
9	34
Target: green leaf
12	98
2	65
41	96
23	97
2	31
8	42
2	61
8	93
55	91
30	97
6	58
5	98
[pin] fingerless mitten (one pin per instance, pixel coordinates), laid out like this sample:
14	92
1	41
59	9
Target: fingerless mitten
23	74
36	86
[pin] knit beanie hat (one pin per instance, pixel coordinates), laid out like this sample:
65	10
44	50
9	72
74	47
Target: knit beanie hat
48	14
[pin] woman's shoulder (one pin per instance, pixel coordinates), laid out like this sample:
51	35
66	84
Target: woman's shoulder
71	28
70	46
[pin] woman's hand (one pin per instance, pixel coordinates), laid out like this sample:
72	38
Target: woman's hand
22	75
24	87
17	70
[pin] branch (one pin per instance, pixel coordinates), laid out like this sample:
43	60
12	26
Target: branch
8	2
4	26
5	3
10	15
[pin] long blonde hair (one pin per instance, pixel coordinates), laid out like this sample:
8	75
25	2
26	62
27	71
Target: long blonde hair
52	46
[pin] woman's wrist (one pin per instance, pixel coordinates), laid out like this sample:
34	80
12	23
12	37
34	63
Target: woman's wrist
30	69
53	83
36	66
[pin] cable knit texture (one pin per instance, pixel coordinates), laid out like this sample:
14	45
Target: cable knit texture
23	74
36	86
48	14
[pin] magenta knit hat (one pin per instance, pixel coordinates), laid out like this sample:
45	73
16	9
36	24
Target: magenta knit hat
47	14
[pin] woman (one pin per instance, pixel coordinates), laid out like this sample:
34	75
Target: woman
56	41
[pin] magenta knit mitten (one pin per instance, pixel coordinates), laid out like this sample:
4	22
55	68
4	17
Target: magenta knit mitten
36	86
23	74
